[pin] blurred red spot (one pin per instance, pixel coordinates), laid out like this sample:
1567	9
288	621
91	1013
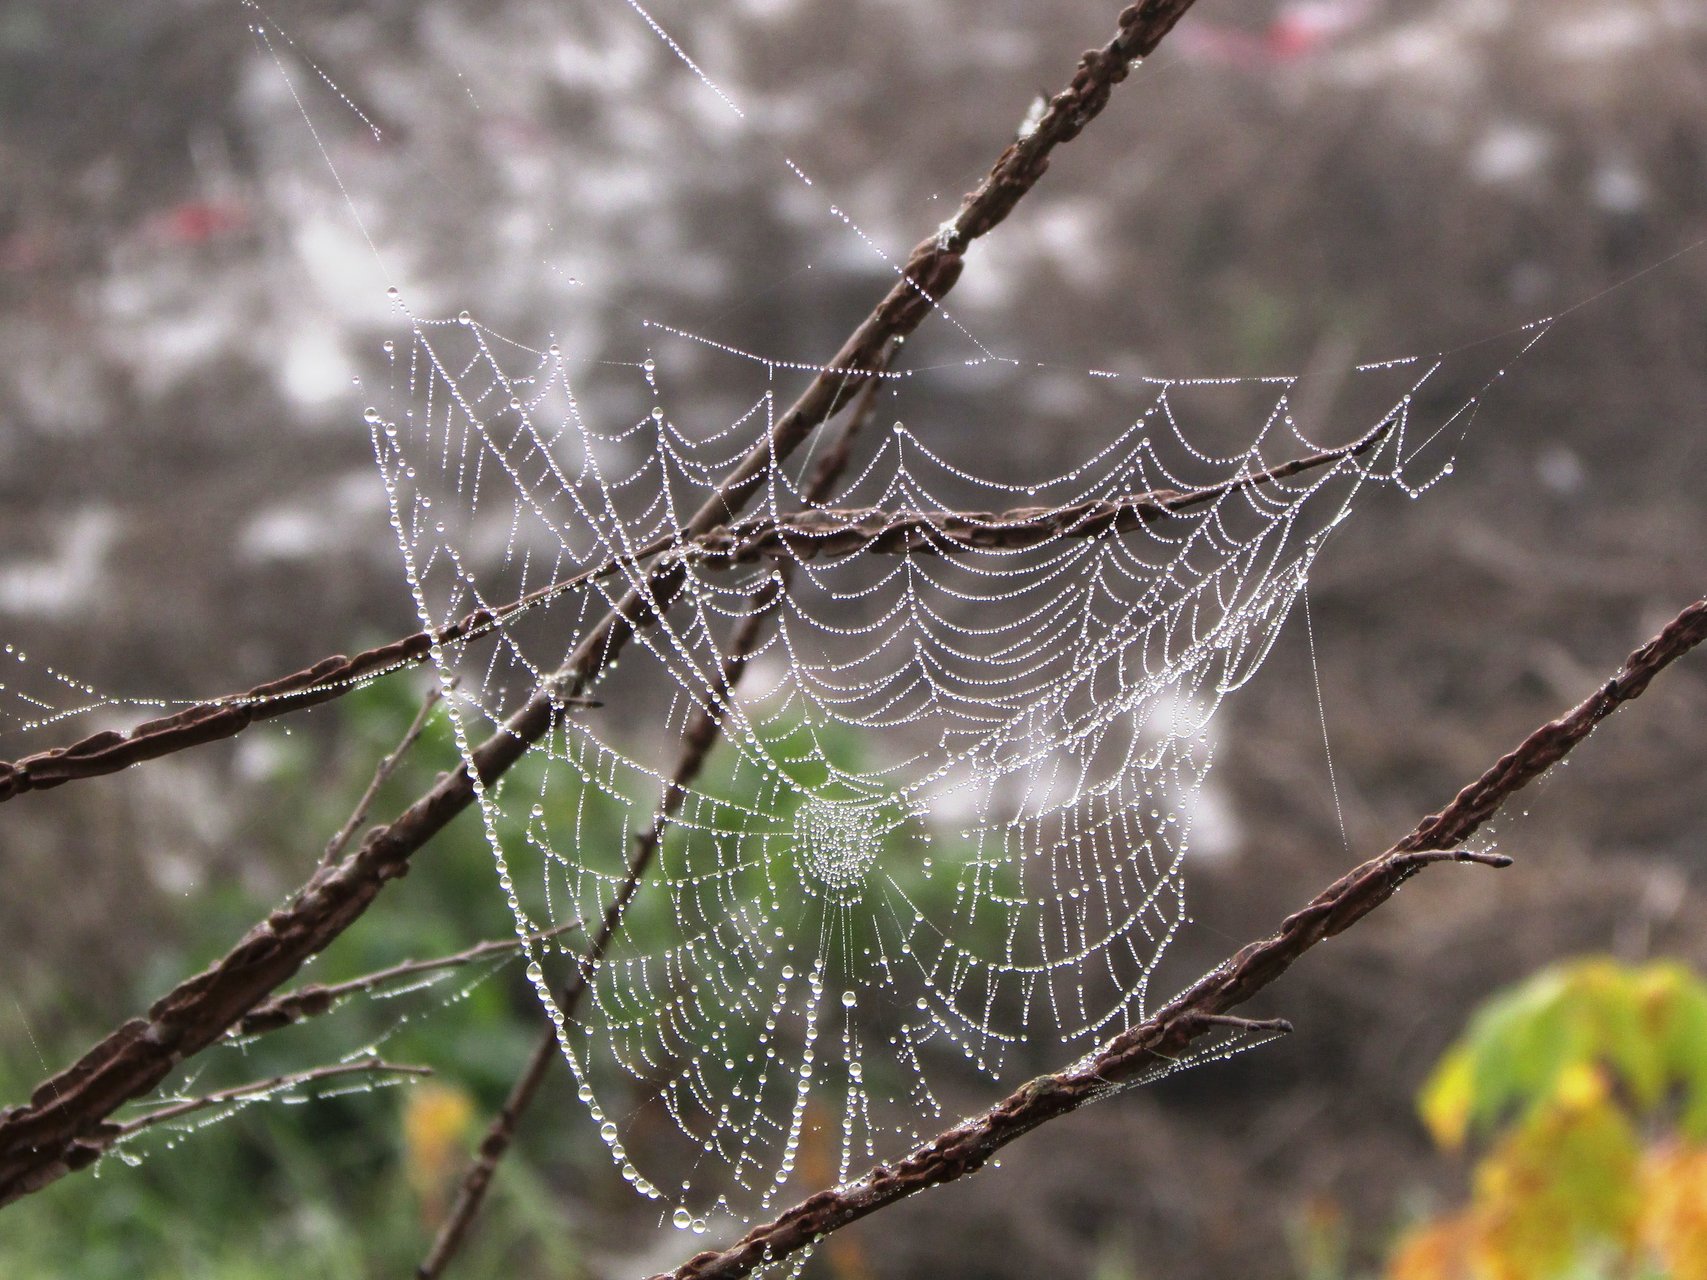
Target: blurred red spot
198	221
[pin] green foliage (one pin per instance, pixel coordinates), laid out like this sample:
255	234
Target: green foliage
343	1186
1589	1082
1645	1027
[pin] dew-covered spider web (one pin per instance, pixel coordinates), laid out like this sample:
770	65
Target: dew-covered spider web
946	825
957	705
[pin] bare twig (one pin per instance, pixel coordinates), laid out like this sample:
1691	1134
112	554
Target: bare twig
381	775
44	1139
821	534
260	1089
813	533
700	736
316	998
1202	1007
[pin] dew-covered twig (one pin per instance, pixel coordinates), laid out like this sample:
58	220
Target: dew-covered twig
824	534
1202	1007
381	775
815	533
260	1089
316	998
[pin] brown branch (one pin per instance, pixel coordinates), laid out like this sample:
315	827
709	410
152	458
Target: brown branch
44	1139
700	735
698	739
381	775
930	272
316	998
1202	1007
826	534
814	533
258	1089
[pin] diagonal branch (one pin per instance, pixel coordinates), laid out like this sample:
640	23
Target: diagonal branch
700	735
316	998
44	1139
827	534
1202	1007
813	533
261	1089
381	775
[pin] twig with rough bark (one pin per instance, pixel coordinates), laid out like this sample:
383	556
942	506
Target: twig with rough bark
815	533
316	998
1203	1006
261	1089
381	775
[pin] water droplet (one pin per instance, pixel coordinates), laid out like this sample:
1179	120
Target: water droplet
699	1226
388	346
462	317
649	365
535	972
607	1131
657	415
848	999
681	1219
370	415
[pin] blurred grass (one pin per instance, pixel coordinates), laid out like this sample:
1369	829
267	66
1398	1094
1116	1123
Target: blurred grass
322	1188
353	1184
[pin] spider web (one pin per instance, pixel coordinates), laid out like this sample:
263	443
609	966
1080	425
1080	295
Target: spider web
946	829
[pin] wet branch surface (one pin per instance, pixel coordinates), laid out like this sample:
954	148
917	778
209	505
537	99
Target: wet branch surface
805	535
49	1136
316	998
1202	1008
170	1111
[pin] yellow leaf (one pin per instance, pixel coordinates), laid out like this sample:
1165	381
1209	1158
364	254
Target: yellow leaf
1674	1210
1445	1101
1434	1251
1567	1180
436	1121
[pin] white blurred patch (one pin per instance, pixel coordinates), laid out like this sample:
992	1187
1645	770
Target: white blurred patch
1617	188
312	369
1510	152
1560	470
342	517
61	583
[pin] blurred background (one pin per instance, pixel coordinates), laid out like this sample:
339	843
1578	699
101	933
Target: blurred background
198	224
